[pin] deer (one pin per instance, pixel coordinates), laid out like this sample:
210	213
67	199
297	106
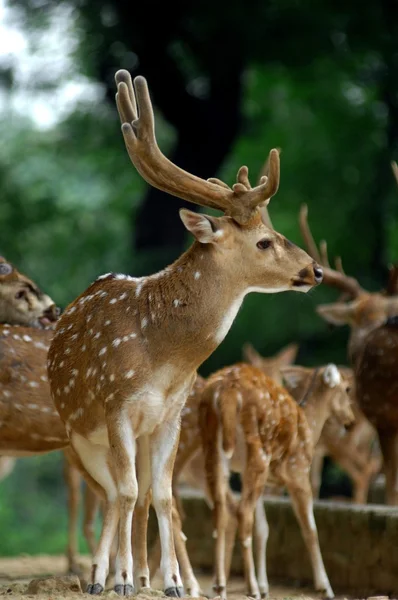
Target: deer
350	449
29	423
189	467
125	353
372	350
252	425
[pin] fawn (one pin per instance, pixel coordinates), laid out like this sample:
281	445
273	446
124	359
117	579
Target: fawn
251	425
351	450
125	353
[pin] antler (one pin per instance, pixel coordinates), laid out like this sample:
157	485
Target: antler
138	127
264	209
332	277
392	284
394	167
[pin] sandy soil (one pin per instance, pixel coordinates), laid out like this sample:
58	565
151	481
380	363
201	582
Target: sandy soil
17	572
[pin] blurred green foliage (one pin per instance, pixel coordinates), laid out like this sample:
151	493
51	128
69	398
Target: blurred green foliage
318	81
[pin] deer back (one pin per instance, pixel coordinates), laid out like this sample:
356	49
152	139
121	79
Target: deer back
29	422
376	376
243	397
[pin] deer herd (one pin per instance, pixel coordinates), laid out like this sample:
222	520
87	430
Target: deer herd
113	383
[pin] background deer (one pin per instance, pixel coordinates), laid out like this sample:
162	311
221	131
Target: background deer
125	353
372	349
350	449
29	423
251	425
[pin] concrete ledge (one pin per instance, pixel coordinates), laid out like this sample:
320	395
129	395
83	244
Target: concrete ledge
359	544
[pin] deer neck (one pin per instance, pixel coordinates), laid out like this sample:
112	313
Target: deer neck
357	338
317	413
186	310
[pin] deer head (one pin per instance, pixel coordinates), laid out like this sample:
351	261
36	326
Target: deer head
262	259
21	301
271	366
323	391
363	311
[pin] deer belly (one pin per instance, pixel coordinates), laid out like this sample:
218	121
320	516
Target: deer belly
146	412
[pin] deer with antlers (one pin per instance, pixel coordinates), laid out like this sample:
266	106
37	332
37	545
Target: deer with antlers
125	353
252	425
189	468
372	349
29	422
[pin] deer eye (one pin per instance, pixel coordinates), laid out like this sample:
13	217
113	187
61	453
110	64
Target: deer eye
20	294
264	244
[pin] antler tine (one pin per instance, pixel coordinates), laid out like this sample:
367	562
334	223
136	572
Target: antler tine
394	167
262	178
392	284
331	277
338	263
136	114
307	235
323	250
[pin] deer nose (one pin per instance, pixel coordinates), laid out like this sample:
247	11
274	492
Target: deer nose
318	273
52	312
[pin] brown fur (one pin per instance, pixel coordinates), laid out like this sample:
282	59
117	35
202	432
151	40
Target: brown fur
372	349
125	353
277	438
30	424
21	301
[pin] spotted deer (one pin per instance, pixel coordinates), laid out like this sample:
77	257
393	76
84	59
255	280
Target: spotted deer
29	423
252	425
373	351
125	353
189	467
351	449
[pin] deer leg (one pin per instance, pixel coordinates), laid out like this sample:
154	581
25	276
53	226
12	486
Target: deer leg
316	472
164	443
191	584
123	452
253	482
95	460
141	513
230	533
261	530
154	558
389	449
91	503
301	497
73	481
217	483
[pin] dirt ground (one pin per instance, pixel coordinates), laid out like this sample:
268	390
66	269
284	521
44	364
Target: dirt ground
17	572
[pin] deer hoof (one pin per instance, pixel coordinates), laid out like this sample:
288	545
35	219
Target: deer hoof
124	590
174	592
94	589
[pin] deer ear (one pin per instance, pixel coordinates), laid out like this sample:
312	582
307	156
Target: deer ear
251	355
5	267
206	229
336	314
287	355
294	376
331	376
